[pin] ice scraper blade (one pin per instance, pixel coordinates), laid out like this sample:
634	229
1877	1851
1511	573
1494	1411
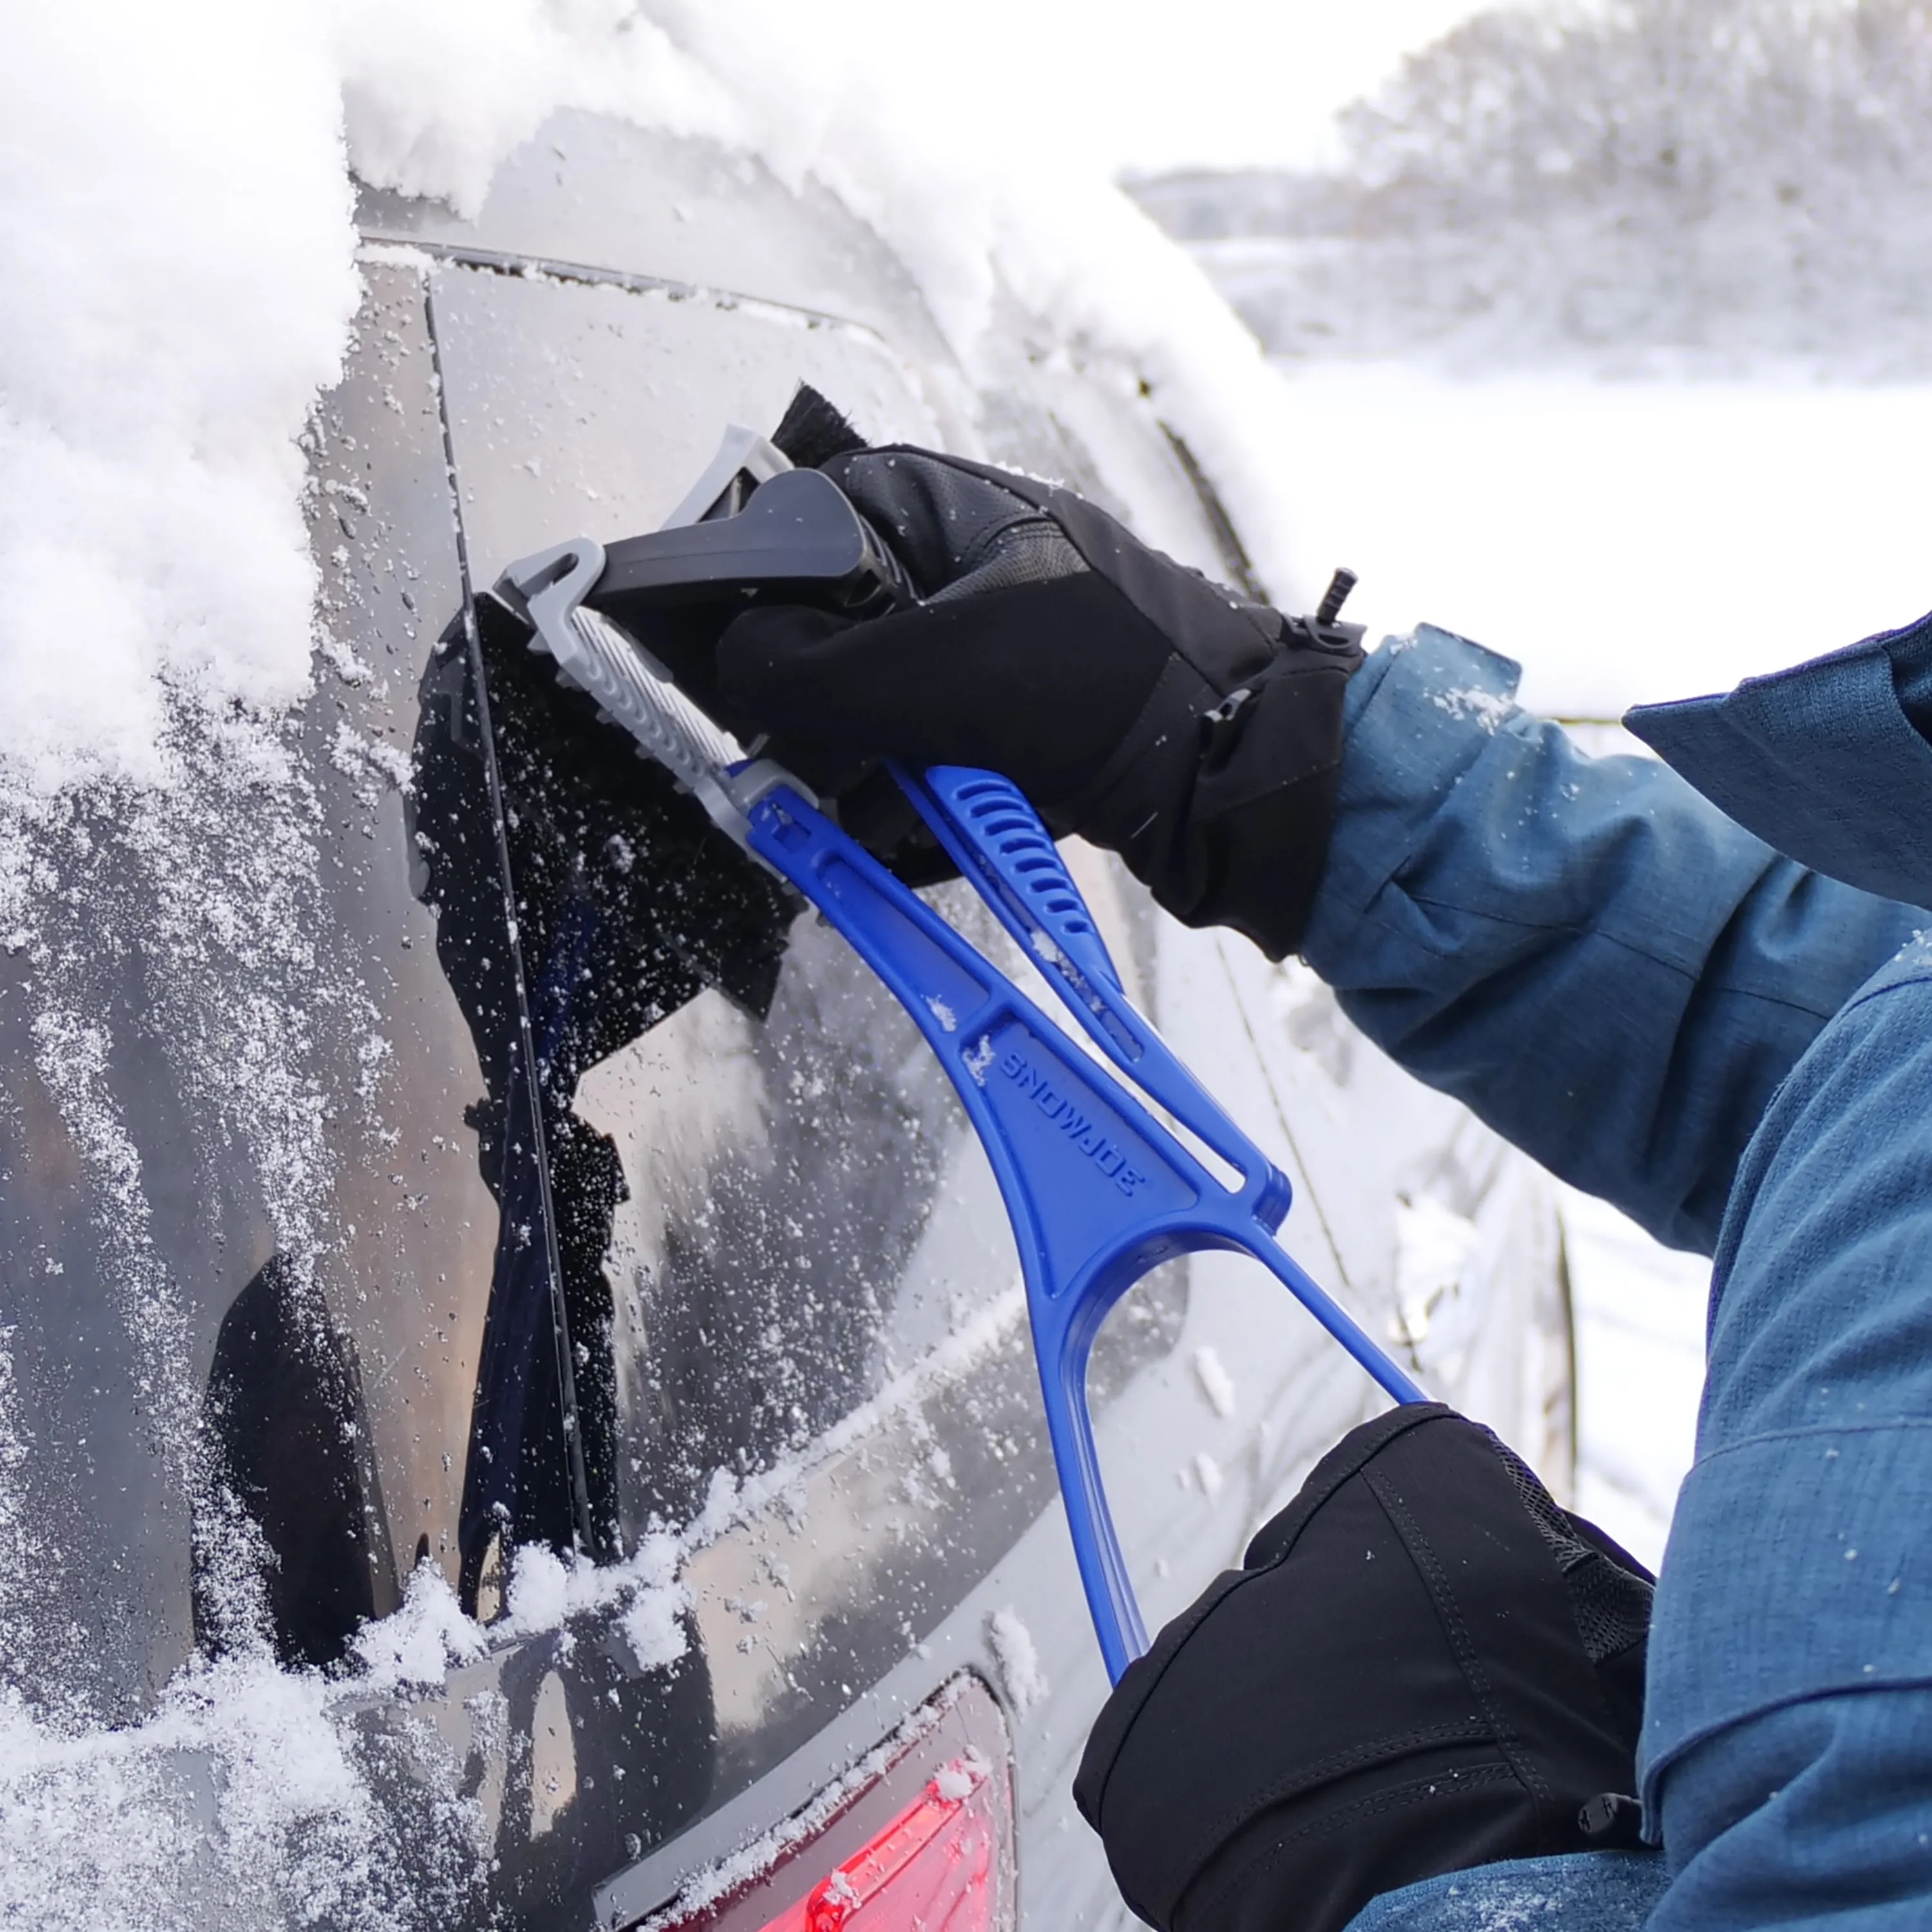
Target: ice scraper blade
629	686
1099	1188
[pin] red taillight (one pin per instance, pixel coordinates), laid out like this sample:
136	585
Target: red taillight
933	1869
926	1845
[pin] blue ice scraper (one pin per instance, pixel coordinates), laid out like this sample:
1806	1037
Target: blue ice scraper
1099	1188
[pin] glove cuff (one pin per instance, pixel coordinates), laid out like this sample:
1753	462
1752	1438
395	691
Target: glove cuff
1410	1674
1223	807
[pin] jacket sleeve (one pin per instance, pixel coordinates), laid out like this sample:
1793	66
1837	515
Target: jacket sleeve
1611	973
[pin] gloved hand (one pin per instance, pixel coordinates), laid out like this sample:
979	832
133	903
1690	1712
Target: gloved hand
1424	1665
1193	731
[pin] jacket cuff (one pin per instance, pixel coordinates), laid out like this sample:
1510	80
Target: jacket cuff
1418	715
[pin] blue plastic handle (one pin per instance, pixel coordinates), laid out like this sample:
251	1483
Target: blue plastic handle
993	834
1098	1190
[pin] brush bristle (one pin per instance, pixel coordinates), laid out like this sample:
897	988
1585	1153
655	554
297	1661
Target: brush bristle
813	432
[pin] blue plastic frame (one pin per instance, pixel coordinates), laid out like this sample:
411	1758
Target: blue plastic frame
1098	1189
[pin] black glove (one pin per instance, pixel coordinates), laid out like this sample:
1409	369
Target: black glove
1192	730
1423	1666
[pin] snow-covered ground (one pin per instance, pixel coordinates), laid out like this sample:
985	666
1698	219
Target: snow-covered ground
1626	541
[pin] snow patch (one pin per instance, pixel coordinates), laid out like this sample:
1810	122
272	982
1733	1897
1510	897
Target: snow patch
180	261
435	94
1018	1658
1217	1385
1489	710
339	657
958	1779
539	1595
421	1641
109	1831
653	1626
360	757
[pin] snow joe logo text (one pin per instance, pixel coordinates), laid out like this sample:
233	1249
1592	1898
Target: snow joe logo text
1071	1122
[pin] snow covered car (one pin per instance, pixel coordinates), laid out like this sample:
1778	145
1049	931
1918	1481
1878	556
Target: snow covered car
493	1279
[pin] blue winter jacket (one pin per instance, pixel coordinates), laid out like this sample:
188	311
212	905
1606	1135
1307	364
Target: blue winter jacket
1728	1032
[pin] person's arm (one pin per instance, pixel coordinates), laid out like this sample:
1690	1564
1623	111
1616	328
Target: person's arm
1600	963
1611	973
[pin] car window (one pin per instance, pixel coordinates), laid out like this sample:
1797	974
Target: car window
422	1133
786	1265
755	1150
588	407
768	1203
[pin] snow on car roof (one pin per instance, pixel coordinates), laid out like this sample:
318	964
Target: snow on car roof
179	257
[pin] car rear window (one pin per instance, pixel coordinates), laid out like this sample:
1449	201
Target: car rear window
768	1209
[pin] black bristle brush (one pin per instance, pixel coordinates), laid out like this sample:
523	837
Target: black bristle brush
812	431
